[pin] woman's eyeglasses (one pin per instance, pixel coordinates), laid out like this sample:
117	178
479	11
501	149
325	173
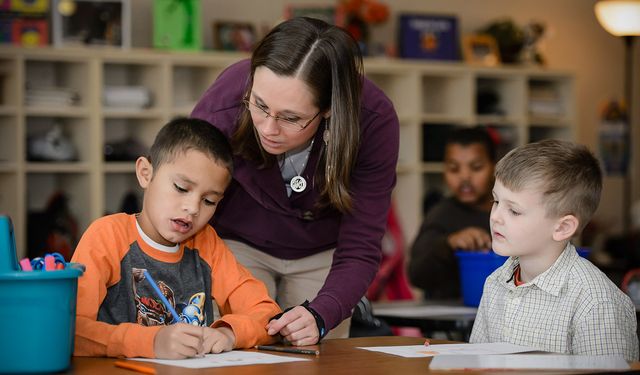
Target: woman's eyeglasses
283	122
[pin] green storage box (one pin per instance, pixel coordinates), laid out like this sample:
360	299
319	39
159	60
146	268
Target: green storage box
176	24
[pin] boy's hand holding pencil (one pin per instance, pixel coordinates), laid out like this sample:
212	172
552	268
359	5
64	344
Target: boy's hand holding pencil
178	341
181	340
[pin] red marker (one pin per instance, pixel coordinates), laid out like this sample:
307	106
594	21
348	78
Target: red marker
25	264
49	263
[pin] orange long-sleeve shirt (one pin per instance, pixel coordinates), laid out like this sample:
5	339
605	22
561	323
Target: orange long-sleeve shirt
118	314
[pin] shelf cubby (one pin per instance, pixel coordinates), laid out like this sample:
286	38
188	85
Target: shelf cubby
47	137
430	99
56	84
117	186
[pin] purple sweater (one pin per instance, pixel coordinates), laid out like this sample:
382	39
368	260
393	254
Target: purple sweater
257	211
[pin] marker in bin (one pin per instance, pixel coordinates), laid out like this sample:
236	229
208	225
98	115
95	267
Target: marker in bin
50	262
25	264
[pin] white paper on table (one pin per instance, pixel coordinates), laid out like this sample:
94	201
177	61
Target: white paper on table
530	362
425	311
232	358
416	351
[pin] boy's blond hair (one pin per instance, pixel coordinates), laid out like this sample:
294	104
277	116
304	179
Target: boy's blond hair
567	174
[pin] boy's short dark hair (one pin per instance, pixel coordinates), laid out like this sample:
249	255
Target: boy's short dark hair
183	134
469	136
567	174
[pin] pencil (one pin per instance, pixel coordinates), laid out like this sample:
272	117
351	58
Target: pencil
167	304
135	367
285	349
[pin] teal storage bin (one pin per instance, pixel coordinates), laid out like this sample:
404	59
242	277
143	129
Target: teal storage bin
474	269
37	313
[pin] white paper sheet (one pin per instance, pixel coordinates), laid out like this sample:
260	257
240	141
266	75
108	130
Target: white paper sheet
424	311
416	351
232	358
530	362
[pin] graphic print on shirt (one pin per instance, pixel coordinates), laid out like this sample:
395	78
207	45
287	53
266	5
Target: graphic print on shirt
150	311
193	312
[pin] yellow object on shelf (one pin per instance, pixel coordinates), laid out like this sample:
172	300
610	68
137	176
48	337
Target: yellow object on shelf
29	6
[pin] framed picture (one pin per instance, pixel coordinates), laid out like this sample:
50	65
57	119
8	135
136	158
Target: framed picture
428	36
30	32
481	49
234	36
97	22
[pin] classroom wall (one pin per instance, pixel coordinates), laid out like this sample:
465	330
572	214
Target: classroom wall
575	41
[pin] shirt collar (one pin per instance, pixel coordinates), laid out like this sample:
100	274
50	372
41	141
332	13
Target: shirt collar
551	281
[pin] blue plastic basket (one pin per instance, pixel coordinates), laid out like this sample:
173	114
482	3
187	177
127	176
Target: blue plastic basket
583	251
474	269
37	312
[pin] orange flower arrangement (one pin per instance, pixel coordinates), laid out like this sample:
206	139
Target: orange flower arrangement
360	14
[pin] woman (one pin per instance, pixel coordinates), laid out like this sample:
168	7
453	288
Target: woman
316	147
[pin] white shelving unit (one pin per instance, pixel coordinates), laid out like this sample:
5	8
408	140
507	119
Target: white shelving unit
430	98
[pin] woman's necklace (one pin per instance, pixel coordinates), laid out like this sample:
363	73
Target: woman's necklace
297	182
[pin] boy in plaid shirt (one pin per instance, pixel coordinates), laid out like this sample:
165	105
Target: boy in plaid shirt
545	295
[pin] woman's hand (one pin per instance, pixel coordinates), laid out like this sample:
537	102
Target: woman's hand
297	326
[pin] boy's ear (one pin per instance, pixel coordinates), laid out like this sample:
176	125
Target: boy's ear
144	171
565	228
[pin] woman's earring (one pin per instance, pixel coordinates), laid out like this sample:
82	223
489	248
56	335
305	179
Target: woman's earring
326	134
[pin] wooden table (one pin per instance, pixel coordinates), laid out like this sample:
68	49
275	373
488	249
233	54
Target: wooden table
337	357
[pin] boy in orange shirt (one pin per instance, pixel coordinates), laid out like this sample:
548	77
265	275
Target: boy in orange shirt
118	311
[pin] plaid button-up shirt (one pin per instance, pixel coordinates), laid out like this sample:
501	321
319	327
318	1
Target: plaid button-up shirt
570	308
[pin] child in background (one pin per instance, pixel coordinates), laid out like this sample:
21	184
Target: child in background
458	222
545	295
118	311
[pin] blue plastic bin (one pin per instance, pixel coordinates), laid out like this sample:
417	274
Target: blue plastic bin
476	266
474	269
583	251
37	313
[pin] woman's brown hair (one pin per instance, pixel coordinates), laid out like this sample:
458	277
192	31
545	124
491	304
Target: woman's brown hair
329	61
